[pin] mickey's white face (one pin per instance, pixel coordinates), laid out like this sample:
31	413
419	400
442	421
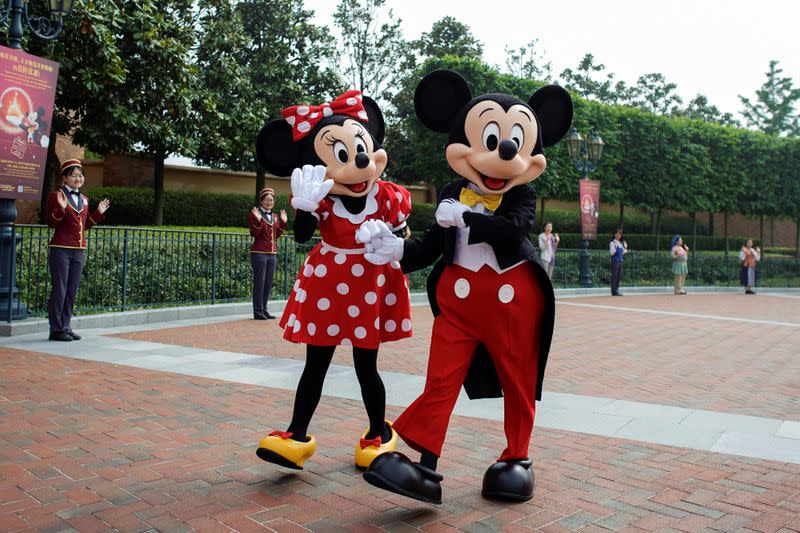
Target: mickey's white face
349	154
498	156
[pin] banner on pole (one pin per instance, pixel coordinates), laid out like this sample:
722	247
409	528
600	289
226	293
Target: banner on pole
590	208
27	93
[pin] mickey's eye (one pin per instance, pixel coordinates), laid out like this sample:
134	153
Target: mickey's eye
361	146
340	152
491	136
517	135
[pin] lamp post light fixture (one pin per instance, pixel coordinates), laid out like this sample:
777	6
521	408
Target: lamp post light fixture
585	154
45	28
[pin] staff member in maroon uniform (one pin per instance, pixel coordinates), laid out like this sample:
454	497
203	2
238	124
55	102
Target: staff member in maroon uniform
265	229
68	213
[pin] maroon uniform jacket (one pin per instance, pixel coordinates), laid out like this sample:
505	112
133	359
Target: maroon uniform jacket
265	234
70	224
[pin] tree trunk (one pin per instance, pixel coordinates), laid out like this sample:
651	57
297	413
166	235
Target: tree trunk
658	229
725	223
158	188
621	224
711	224
652	222
761	231
261	180
51	176
693	216
771	232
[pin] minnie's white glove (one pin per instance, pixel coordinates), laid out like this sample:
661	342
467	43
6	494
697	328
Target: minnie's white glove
450	213
381	244
309	186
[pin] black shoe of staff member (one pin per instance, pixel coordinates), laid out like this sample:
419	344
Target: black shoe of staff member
259	317
270	317
74	335
60	336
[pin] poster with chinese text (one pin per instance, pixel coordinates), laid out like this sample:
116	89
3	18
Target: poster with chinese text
590	208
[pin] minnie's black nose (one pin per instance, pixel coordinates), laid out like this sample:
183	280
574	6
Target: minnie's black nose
507	149
362	159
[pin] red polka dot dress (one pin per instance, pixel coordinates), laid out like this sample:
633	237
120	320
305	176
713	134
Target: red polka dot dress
341	298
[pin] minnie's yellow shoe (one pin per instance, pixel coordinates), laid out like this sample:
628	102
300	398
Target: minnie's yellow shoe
369	449
279	448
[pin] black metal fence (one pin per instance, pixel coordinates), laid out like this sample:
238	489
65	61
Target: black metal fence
129	268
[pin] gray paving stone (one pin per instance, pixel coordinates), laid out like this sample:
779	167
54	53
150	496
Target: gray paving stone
758	445
669	434
731	422
646	410
789	430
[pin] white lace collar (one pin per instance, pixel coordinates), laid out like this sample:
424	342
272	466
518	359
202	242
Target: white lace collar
369	208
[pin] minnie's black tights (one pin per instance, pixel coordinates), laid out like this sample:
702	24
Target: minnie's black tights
309	390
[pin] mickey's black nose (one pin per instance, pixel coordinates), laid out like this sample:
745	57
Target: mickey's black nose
362	159
507	149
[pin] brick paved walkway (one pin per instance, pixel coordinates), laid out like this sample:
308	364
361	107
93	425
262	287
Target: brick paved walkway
734	365
90	446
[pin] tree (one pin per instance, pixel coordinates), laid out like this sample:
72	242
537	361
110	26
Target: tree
528	62
653	93
582	81
449	36
699	108
773	110
270	53
374	52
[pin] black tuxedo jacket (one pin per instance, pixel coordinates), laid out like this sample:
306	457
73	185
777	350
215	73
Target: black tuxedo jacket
507	231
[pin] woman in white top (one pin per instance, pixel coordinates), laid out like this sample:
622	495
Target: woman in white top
548	242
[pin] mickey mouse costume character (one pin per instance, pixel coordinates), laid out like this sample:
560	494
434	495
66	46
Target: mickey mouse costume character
493	301
339	297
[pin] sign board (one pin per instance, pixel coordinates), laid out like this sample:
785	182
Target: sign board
590	208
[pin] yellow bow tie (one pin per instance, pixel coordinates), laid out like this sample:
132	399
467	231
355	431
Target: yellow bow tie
489	201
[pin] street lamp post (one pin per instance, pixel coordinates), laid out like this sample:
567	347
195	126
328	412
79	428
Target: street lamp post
45	29
585	154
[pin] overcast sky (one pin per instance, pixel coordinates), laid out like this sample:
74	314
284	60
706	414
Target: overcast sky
720	48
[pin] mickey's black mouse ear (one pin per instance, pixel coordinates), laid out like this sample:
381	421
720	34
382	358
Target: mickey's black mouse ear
439	97
375	123
553	107
276	150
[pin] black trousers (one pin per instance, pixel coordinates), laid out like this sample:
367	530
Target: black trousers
616	274
66	265
263	274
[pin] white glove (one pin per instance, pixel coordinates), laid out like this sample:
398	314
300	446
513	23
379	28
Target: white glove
309	186
450	213
381	244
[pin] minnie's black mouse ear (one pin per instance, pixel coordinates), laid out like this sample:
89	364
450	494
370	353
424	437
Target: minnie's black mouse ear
276	150
439	97
553	107
375	123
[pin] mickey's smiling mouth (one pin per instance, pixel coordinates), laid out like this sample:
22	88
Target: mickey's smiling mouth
494	184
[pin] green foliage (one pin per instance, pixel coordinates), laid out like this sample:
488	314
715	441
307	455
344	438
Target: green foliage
449	37
774	109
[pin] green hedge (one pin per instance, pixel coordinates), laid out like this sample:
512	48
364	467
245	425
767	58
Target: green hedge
568	221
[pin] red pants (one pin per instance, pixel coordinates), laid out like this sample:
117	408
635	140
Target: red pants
502	311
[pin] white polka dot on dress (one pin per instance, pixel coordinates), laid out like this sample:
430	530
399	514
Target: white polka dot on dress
320	271
360	332
333	330
340	259
346	342
308	270
297	326
301	295
377	323
296	285
406	325
357	270
291	320
343	288
399	196
370	297
390	299
390	326
323	304
312	328
381	280
353	311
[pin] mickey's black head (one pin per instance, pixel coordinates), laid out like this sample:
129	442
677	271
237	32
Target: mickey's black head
495	139
348	147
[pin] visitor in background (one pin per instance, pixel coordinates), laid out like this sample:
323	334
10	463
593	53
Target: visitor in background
617	248
68	213
265	229
749	256
680	263
548	242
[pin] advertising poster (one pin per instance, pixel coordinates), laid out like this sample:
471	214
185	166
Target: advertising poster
27	92
590	208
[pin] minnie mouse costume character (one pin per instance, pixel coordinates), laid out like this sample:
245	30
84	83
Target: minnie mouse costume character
339	297
492	299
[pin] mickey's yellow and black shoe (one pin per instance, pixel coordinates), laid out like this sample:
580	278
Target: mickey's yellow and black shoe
278	447
369	449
